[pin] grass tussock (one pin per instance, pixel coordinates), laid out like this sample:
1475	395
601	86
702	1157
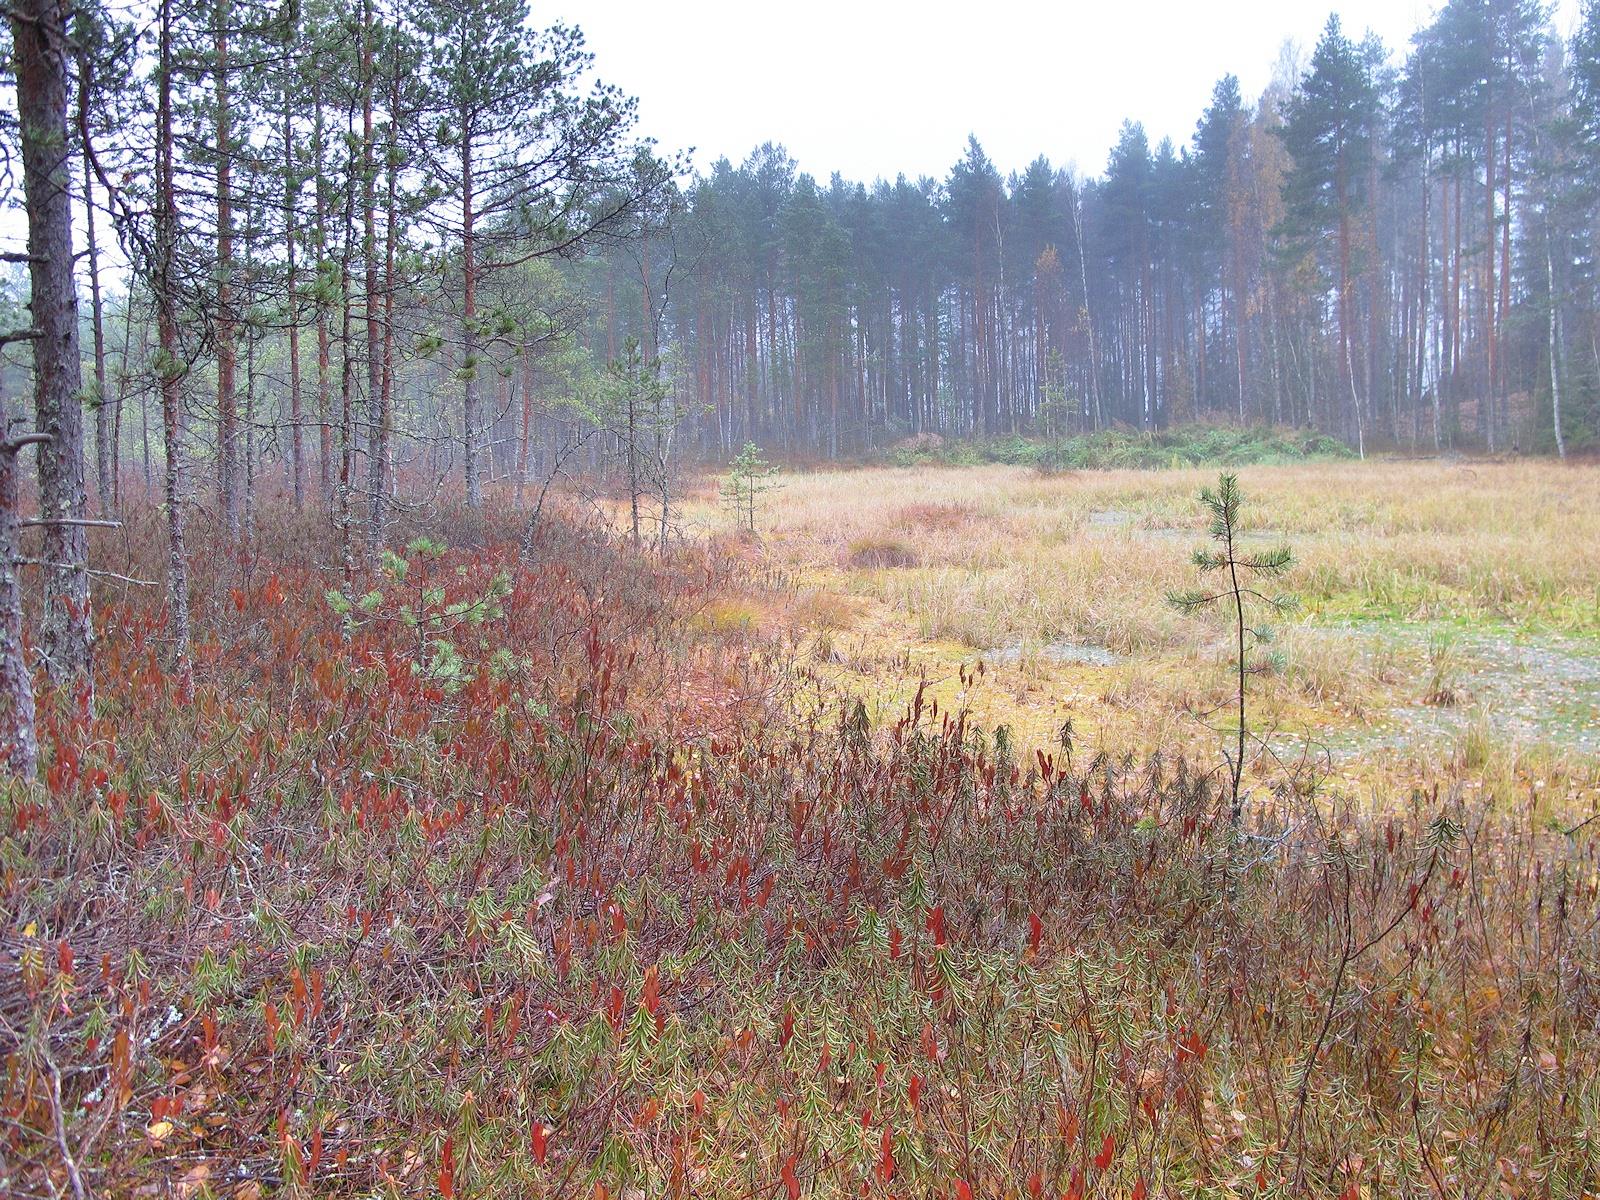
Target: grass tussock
937	515
877	552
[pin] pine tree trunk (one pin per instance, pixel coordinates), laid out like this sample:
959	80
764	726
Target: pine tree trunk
469	331
525	440
1486	399
122	396
382	445
170	360
297	441
347	381
104	445
19	742
376	451
324	334
1505	272
227	399
39	34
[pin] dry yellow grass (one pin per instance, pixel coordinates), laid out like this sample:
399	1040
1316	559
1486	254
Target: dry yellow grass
1057	584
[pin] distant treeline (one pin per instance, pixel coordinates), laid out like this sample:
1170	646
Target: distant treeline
1388	253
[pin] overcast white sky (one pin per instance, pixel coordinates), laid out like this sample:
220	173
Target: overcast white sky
875	87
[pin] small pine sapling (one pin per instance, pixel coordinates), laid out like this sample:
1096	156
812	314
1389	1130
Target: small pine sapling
750	477
1236	595
420	605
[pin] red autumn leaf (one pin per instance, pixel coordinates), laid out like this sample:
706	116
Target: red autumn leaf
1108	1150
1066	1123
447	1169
539	1139
886	1155
1140	1190
788	1030
614	1005
963	1192
651	997
1035	932
791	1181
914	1092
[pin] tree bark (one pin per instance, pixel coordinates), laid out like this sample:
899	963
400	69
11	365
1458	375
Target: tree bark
291	194
381	440
227	353
469	328
104	445
43	54
369	254
19	742
527	423
324	335
169	365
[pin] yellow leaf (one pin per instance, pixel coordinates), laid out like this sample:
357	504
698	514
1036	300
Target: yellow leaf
159	1131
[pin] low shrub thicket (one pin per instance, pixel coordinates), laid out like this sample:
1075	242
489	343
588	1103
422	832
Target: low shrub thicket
340	926
1111	449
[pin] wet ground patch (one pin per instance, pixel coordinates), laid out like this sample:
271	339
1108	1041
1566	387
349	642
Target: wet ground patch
1524	687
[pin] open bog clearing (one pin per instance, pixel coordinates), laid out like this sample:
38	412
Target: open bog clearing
1447	628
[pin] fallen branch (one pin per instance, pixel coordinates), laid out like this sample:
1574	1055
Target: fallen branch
87	522
97	571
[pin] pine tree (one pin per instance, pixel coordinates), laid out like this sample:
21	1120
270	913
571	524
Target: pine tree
750	477
1237	593
41	38
1330	130
522	163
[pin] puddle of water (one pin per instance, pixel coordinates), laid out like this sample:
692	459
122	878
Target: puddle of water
1056	652
1529	688
1113	519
